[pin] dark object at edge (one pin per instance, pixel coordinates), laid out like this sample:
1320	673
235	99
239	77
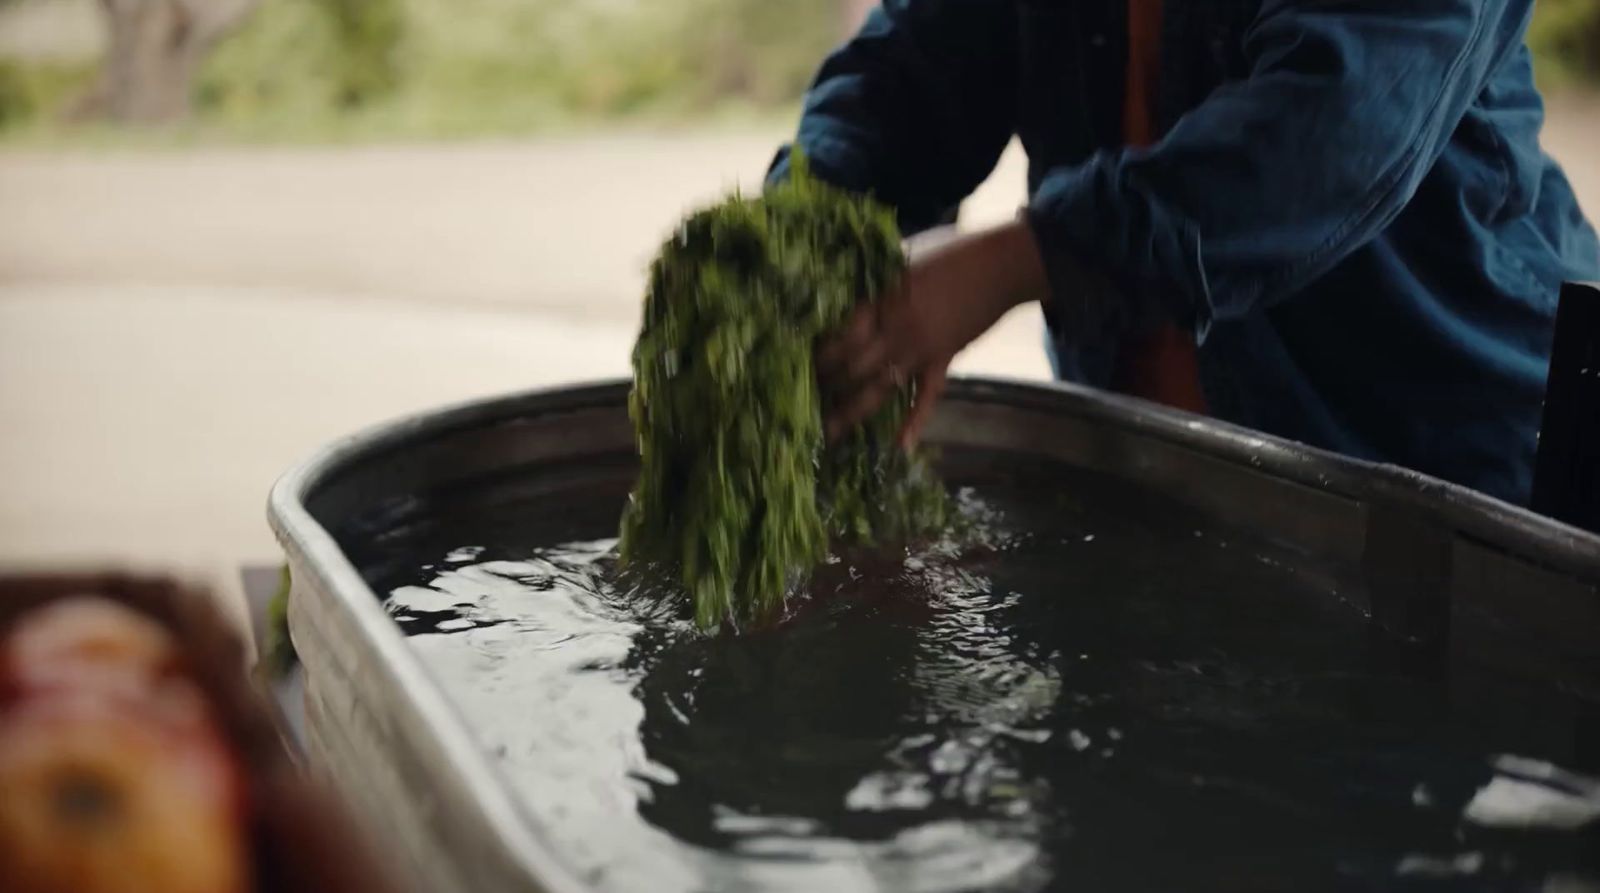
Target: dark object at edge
1566	481
303	839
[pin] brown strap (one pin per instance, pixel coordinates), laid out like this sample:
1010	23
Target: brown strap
1161	365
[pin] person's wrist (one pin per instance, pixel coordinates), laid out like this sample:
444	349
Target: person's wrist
1081	300
1020	265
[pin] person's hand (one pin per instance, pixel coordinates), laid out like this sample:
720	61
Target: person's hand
942	303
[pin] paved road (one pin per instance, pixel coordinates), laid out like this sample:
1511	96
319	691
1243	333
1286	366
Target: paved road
567	226
178	327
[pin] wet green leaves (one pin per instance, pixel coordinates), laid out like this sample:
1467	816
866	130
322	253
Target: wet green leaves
738	496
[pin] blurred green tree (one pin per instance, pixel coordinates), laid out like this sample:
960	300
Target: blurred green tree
16	98
437	68
157	48
367	35
1565	37
154	49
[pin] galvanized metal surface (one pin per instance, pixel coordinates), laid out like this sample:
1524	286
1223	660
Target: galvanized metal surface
1446	567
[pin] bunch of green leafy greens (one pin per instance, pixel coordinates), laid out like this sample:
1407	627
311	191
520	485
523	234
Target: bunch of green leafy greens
738	496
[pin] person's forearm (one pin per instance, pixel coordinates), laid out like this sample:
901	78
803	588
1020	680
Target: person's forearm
1012	269
1022	266
1070	292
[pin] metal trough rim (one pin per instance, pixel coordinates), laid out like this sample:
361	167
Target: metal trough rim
1545	542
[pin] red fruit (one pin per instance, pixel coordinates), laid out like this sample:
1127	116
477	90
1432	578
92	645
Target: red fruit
96	797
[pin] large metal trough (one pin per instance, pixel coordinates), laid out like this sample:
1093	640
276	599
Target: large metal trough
1456	573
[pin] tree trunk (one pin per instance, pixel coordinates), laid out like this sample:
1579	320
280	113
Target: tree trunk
154	48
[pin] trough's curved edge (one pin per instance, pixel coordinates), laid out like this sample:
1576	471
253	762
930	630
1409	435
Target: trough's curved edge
1544	541
302	536
1558	546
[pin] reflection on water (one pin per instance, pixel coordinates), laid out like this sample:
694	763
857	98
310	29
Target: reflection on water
1072	698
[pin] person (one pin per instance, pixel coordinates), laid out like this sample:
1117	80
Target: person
1330	221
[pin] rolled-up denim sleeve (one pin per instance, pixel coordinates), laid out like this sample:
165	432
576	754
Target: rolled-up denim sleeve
1274	178
916	108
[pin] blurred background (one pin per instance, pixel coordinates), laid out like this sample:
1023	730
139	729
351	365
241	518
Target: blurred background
232	230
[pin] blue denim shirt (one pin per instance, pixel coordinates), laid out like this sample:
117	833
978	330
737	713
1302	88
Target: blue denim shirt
1350	207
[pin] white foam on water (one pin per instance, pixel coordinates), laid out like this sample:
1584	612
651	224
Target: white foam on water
1529	793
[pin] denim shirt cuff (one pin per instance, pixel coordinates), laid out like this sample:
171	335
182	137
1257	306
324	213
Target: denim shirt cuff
1085	305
